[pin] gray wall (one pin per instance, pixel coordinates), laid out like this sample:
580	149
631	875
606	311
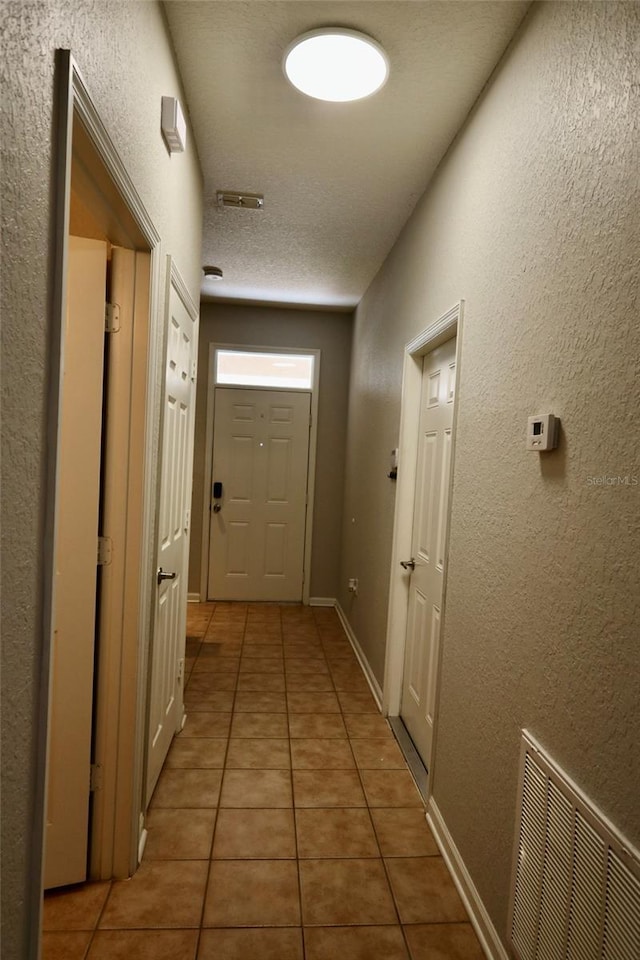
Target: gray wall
123	52
323	330
533	218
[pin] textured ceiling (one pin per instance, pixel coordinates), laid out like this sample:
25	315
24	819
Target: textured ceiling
339	180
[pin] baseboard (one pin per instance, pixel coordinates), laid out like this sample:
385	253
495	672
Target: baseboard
483	926
364	663
322	601
193	598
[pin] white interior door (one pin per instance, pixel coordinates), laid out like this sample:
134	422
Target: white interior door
260	456
167	655
77	513
430	514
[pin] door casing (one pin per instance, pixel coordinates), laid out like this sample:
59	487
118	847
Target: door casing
447	326
122	780
208	463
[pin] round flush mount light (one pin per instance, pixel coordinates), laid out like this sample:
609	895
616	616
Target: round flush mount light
336	64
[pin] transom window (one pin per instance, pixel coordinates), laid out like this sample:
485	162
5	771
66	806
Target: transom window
249	368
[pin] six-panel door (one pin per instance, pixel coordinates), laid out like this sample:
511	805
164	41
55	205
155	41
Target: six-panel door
260	456
428	546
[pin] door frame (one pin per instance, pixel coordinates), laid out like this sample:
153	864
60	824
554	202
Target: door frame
446	327
208	456
123	687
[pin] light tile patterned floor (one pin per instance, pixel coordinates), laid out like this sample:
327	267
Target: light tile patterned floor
285	824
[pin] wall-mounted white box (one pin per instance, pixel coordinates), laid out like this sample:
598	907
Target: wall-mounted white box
542	432
174	126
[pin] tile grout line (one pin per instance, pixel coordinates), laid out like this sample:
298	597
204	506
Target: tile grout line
375	833
215	824
293	801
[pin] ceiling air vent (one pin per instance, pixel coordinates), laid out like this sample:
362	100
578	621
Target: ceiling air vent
242	201
576	880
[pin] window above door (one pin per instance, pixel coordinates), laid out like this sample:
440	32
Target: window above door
252	368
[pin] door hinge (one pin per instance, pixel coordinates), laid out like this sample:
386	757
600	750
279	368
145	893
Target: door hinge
112	317
194	371
95	777
187	520
180	673
105	545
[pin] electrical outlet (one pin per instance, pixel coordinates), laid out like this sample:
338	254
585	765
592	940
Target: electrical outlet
353	586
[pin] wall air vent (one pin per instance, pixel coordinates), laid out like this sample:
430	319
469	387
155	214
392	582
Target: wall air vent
576	880
242	201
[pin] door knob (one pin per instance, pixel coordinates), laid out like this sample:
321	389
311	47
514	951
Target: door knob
165	576
408	564
217	507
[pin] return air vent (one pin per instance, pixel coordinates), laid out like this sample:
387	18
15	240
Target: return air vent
576	881
241	201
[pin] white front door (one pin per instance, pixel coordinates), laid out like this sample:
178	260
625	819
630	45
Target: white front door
167	654
76	541
260	459
419	685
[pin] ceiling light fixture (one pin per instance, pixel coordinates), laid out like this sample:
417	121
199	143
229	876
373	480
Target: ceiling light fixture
336	64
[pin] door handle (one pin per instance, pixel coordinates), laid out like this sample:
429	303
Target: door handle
217	507
165	576
408	564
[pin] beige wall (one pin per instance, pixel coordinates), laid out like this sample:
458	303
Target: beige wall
123	52
533	218
329	332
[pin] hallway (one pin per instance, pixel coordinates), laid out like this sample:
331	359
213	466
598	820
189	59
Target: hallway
285	824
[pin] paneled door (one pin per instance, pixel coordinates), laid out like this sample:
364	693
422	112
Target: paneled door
419	685
259	495
76	547
167	655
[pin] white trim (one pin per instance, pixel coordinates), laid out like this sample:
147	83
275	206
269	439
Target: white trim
143	839
149	538
182	290
208	461
75	101
193	598
362	660
322	601
63	155
445	328
87	113
104	146
485	930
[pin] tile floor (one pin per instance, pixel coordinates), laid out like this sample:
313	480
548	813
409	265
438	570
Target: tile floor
285	824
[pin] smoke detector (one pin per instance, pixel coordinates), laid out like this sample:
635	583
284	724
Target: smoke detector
212	273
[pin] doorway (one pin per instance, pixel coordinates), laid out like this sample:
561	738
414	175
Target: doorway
98	203
425	567
261	434
420	545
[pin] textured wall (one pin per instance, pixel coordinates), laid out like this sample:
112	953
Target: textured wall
125	58
329	332
533	218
